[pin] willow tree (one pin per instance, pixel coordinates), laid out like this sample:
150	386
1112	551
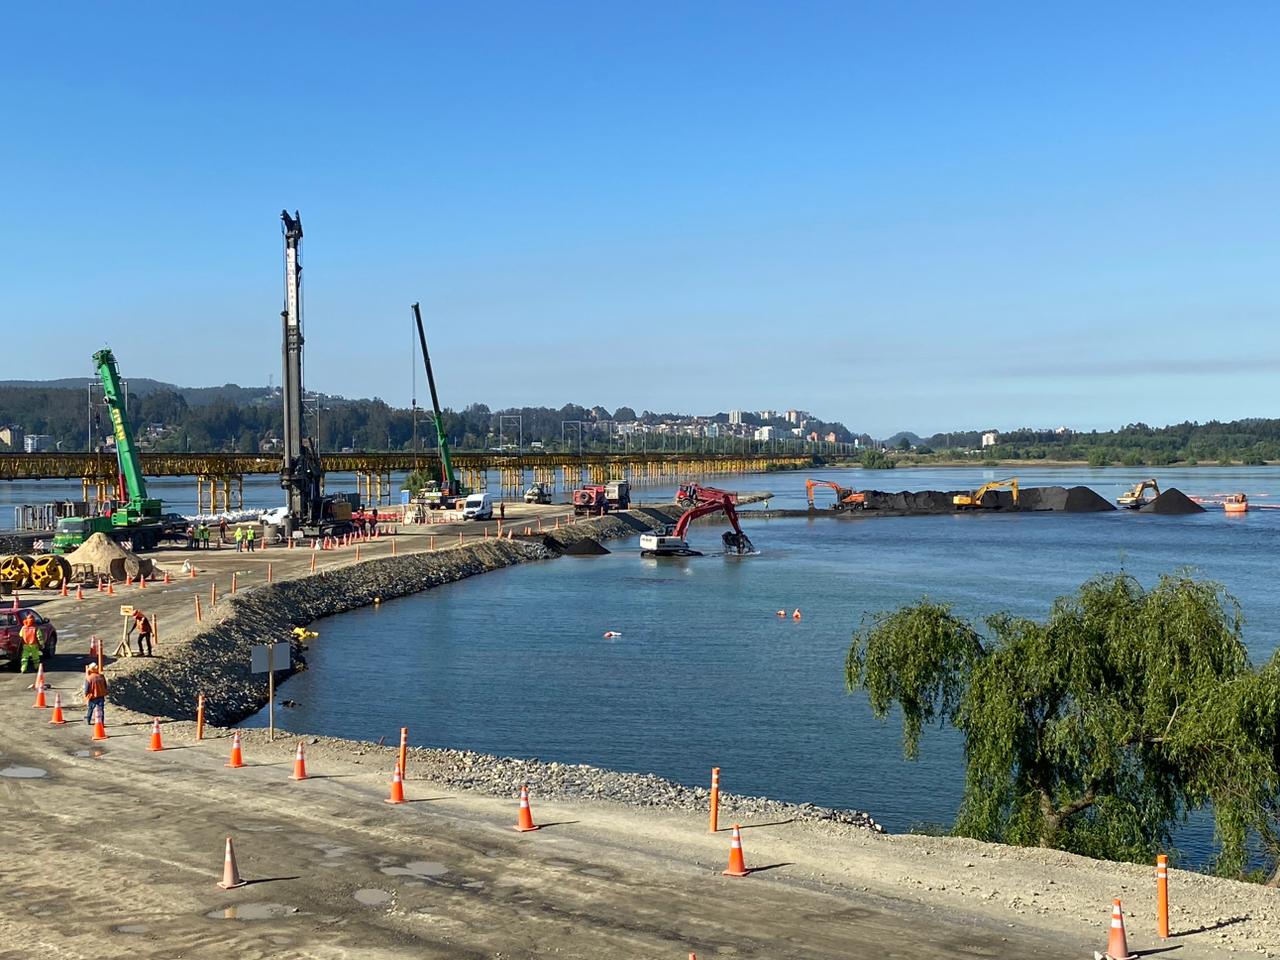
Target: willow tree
1097	730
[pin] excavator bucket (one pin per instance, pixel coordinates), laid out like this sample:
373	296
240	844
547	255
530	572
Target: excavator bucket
736	543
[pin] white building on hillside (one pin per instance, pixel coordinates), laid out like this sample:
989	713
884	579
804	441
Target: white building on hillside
990	438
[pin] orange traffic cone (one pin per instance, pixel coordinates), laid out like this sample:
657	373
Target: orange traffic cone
525	823
39	686
230	875
57	718
166	577
193	573
237	760
142	583
299	765
63	591
397	788
111	590
737	866
99	726
79	592
1117	944
155	744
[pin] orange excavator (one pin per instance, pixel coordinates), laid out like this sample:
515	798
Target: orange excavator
846	499
670	541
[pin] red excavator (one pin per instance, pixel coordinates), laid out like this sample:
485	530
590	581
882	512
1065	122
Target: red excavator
846	499
670	542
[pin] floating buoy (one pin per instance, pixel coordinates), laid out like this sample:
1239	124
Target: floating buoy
782	613
611	634
376	601
795	614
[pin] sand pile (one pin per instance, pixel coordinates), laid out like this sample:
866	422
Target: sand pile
1085	500
107	558
1030	499
1172	501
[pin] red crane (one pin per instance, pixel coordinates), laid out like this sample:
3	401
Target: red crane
691	494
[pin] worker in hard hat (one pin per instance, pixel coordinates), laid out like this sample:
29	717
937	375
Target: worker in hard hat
31	643
143	626
95	693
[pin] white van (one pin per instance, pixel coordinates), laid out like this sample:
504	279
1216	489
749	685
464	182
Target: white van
478	507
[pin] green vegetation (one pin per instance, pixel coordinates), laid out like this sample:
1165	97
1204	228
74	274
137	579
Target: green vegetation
1249	441
1099	729
877	460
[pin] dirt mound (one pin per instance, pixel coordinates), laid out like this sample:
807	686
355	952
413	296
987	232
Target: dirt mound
586	547
1086	500
1172	501
105	557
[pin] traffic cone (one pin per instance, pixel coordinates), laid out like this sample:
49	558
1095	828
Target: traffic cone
237	760
230	875
737	866
155	745
1117	944
142	583
299	765
79	592
166	577
99	726
397	788
526	815
39	687
63	591
111	590
57	719
193	573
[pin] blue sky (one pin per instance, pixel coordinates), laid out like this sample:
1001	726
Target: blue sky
920	216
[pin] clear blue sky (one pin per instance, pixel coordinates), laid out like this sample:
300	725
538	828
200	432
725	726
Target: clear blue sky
902	215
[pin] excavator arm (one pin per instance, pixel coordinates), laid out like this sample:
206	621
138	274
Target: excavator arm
737	540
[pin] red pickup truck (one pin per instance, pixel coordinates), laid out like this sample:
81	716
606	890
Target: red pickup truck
11	636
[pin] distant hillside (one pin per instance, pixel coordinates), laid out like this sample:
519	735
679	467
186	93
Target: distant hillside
145	386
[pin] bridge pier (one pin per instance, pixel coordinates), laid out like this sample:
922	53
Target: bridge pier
232	498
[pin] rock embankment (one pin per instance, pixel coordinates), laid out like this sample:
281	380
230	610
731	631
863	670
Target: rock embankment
503	776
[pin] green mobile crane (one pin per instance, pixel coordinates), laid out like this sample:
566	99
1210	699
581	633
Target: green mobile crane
442	494
133	516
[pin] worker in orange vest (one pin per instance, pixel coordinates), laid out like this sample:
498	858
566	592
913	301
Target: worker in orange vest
31	646
95	693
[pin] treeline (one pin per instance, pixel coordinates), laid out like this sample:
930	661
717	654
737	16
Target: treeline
1252	441
234	419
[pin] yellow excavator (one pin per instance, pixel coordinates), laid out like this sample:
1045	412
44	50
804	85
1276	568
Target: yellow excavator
973	501
846	499
1133	499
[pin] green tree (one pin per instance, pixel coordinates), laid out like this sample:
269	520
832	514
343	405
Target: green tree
877	460
1099	457
1097	730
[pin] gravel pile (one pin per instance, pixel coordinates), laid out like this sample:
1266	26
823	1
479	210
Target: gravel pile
1173	501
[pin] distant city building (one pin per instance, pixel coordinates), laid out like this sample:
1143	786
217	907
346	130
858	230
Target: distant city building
1062	431
797	417
766	433
813	437
12	435
713	430
735	416
768	414
797	432
37	442
990	438
830	437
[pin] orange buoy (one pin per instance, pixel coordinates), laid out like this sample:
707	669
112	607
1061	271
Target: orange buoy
795	614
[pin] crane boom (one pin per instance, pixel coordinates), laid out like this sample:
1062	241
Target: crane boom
448	482
126	452
301	473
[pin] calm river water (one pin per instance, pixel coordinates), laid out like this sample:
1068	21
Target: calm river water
704	674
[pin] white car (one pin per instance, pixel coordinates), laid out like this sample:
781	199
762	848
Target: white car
478	507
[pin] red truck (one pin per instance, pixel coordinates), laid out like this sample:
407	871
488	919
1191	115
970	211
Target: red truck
591	498
11	635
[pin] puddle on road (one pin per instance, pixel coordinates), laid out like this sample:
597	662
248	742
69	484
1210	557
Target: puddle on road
598	872
94	753
130	928
252	911
372	898
23	773
417	868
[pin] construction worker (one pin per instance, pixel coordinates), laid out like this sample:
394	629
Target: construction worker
239	539
95	693
143	626
31	643
204	536
222	531
249	535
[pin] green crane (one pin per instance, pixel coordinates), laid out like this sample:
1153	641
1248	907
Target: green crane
135	516
445	493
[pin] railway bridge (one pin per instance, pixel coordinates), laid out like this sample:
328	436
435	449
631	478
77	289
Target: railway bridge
220	476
